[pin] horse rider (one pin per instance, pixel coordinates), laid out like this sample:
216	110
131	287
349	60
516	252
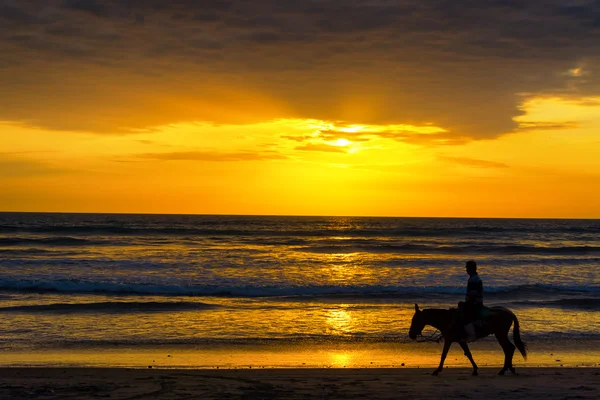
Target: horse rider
473	304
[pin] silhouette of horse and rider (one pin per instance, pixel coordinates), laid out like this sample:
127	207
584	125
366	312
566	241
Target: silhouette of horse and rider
471	321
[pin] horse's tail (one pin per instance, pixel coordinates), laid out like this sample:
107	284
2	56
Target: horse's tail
517	337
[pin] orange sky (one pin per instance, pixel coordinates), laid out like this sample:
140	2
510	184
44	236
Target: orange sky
366	109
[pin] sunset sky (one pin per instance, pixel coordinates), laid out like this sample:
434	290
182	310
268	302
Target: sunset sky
483	108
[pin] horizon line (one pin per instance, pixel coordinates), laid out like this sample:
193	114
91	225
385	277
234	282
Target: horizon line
287	215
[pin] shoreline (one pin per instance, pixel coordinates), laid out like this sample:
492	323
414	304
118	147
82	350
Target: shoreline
487	353
305	383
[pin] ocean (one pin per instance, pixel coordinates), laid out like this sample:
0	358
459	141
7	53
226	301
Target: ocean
208	291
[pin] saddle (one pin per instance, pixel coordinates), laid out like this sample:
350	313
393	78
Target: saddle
477	326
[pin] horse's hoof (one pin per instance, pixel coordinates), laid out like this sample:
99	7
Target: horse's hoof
513	371
475	373
501	372
435	373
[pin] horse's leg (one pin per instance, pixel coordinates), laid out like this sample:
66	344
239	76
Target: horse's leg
447	344
465	348
509	350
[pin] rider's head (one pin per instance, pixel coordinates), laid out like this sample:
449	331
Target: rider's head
471	267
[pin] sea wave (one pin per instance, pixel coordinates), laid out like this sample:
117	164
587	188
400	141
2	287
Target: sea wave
570	303
410	248
39	245
361	291
399	337
110	307
296	227
46	241
27	252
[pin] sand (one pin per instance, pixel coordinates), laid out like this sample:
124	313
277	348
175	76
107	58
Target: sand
322	384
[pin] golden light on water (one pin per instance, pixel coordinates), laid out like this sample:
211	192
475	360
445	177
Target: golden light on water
345	268
340	321
340	359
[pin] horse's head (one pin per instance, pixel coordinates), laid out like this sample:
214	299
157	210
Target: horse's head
417	324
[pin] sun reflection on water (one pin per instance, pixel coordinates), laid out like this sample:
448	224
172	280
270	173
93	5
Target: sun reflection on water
340	321
340	359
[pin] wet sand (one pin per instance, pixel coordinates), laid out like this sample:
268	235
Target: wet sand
309	383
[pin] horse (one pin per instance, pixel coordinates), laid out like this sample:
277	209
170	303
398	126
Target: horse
499	322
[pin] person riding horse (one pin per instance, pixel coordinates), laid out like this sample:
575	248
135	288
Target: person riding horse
451	324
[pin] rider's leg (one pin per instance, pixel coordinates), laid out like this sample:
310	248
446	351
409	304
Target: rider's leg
470	330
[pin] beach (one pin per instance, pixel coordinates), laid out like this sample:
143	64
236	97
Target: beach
368	383
258	307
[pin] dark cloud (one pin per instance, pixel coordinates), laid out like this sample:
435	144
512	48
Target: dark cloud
117	66
12	13
265	37
587	13
93	7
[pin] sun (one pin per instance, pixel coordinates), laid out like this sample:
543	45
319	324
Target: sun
342	142
352	128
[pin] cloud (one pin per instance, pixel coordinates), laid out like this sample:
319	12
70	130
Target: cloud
90	6
473	162
434	140
332	133
537	125
588	102
212	156
298	138
118	66
17	167
321	147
